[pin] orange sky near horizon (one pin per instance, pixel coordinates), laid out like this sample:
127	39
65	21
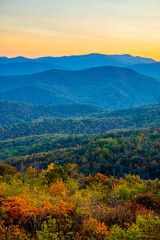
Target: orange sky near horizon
72	27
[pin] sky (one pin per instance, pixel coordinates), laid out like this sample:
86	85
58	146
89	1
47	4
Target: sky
35	28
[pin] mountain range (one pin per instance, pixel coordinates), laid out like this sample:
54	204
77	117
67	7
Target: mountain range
108	87
22	65
48	106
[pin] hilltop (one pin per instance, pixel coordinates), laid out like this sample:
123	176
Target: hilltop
108	87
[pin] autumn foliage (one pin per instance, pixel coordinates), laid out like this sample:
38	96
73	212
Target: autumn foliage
61	204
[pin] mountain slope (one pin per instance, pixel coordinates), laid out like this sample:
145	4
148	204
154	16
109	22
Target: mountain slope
143	112
14	112
24	68
128	59
109	87
152	70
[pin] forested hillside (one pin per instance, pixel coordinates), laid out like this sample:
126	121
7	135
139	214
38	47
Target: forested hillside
147	112
109	87
14	112
60	203
128	119
114	153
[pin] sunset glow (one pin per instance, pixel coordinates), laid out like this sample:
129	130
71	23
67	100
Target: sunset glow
66	27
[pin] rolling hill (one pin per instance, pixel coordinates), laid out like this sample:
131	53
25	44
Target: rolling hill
152	70
108	87
146	116
142	112
19	59
118	152
14	112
